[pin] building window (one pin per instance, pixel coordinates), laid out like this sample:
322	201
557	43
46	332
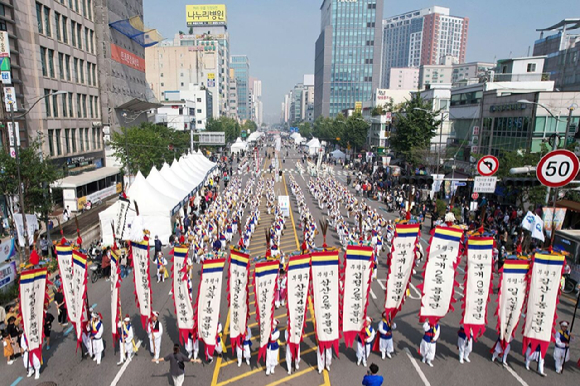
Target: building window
162	84
47	102
94	132
55	105
57	140
61	65
65	30
90	9
84	106
57	25
50	143
73	33
66	141
70	105
87	46
97	107
91	114
77	6
67	64
79	109
92	41
64	108
73	139
47	20
82	70
531	67
43	61
81	142
84	6
88	147
79	36
39	17
76	69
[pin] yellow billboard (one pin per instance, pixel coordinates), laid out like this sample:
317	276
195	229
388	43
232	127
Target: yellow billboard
205	14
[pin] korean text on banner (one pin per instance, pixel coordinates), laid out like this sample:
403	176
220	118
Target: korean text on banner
32	302
208	303
140	253
512	293
401	266
542	300
7	272
325	293
182	293
238	296
121	226
65	266
357	276
205	14
265	285
478	277
298	283
127	58
439	276
79	290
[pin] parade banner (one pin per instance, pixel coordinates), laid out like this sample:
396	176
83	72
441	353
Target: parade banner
115	298
265	286
207	307
65	266
325	293
478	276
355	291
401	267
297	286
33	298
510	299
238	296
121	228
79	290
181	293
140	254
546	273
439	276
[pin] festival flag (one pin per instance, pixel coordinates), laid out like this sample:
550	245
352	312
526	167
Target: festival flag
439	282
238	296
79	290
115	298
355	291
297	284
265	286
65	266
478	276
207	307
401	266
546	273
325	291
140	254
510	299
33	299
528	221
181	290
538	229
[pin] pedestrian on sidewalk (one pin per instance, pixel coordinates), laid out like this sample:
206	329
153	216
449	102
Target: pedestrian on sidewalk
177	364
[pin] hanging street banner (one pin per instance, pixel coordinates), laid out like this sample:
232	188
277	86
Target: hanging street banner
510	300
542	300
140	253
207	306
297	284
33	298
326	297
181	290
65	266
478	276
265	285
439	276
238	296
400	267
79	290
357	276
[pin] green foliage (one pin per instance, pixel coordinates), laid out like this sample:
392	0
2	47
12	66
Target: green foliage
305	129
11	293
229	126
35	174
355	131
148	145
249	126
414	129
441	207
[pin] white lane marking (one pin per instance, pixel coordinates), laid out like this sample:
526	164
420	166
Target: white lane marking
124	367
373	295
416	366
416	291
461	269
459	293
516	376
382	285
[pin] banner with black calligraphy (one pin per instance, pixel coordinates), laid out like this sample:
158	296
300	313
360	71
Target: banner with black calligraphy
510	300
115	288
265	286
33	298
401	266
121	227
439	275
140	254
355	292
207	307
79	290
298	284
478	276
182	293
546	273
238	296
65	266
325	293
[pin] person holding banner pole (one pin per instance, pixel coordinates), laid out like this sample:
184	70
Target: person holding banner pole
562	351
385	341
497	350
155	330
464	344
96	327
126	346
429	343
192	346
245	350
324	358
289	355
273	349
363	350
535	355
35	368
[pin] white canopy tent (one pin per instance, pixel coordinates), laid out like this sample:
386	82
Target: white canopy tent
337	154
169	175
313	146
238	146
162	185
197	175
186	177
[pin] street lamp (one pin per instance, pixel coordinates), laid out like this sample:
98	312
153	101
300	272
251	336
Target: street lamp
17	158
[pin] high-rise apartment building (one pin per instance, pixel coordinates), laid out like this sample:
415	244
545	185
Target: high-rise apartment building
241	66
257	107
347	54
422	37
406	78
232	95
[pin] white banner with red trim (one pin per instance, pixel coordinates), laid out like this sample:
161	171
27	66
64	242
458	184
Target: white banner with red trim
357	276
79	290
265	286
140	254
115	298
207	307
33	298
510	300
298	285
439	275
181	290
325	293
238	280
546	273
65	266
478	276
401	266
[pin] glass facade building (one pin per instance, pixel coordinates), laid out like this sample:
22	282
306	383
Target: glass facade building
241	66
347	57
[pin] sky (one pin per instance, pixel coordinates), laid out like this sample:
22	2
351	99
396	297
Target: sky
278	36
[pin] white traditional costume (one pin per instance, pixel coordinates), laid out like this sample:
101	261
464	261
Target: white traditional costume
385	329
289	355
535	355
35	367
561	351
245	349
464	344
273	349
363	349
429	343
155	331
126	340
97	345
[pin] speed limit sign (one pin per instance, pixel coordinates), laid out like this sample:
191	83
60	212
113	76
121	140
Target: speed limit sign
557	168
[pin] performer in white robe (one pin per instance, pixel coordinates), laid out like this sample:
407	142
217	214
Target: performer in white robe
126	339
97	337
192	346
363	350
429	343
219	343
464	344
289	355
273	349
535	355
155	331
385	328
561	351
324	359
35	367
497	351
245	349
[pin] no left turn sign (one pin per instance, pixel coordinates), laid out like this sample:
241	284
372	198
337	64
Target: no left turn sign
488	165
557	168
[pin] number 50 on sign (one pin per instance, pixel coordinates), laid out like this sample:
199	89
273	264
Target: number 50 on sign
557	168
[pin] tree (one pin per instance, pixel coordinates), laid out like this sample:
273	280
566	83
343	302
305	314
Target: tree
304	129
414	129
36	174
229	126
142	147
249	126
355	131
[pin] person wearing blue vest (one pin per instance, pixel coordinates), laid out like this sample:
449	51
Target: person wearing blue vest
464	344
385	328
273	349
363	349
562	351
246	348
429	343
126	340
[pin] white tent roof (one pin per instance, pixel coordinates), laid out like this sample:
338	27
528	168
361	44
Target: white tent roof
149	199
186	178
156	179
294	135
196	164
197	174
314	142
337	153
177	181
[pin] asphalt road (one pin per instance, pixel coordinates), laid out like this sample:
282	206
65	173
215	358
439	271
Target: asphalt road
63	365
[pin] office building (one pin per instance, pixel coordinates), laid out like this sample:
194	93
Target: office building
186	109
406	78
232	95
455	73
255	99
347	55
241	66
422	37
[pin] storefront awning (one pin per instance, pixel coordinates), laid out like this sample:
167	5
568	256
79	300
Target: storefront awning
138	105
85	178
